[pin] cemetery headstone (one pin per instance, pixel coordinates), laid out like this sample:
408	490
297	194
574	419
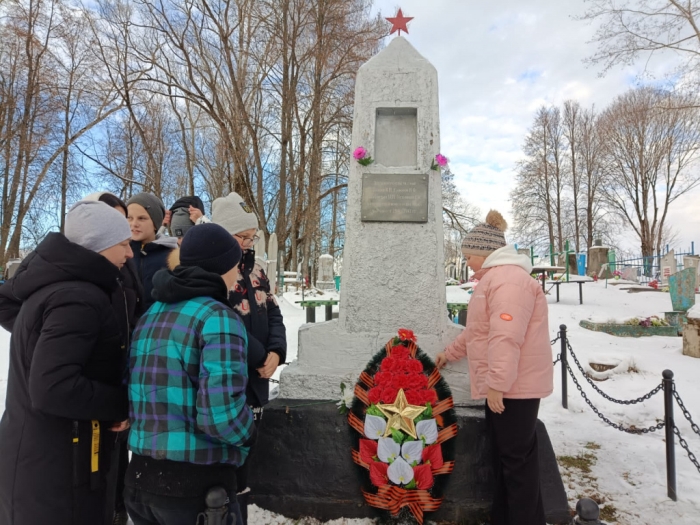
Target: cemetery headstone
325	279
682	288
629	273
598	262
691	333
692	261
668	265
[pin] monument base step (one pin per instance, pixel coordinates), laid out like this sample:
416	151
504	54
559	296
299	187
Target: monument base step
301	466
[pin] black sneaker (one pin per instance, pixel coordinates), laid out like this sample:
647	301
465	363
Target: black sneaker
120	518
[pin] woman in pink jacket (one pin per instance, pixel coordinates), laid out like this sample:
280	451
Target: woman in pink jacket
510	365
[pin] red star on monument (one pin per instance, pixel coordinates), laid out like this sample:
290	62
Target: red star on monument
399	23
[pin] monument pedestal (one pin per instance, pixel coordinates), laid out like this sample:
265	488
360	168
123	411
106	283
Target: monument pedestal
329	355
302	467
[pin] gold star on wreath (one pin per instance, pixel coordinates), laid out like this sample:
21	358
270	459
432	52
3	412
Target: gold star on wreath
401	415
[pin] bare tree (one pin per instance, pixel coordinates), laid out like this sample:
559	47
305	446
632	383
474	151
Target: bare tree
649	151
633	29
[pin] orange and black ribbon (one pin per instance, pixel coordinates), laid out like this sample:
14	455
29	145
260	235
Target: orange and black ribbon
393	499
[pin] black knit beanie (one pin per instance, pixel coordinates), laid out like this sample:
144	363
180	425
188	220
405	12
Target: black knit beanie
210	247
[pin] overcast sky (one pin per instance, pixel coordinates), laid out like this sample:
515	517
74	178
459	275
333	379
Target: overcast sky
498	61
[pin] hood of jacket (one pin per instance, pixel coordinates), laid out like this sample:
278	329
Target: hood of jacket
56	259
188	282
508	255
164	240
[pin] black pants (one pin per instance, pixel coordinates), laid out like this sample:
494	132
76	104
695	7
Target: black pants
517	498
150	509
244	470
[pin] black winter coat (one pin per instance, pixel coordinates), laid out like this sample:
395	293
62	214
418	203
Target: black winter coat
258	308
67	357
148	260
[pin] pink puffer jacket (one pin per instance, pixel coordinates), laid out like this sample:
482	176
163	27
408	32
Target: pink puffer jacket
507	334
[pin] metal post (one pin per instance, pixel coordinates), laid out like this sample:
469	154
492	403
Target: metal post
310	314
670	438
564	366
566	260
551	255
532	256
462	317
329	312
692	247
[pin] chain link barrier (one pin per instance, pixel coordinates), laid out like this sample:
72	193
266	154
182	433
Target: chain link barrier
683	443
641	399
686	413
551	343
629	430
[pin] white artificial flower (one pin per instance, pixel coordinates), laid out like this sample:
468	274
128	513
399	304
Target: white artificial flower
400	472
346	398
388	450
427	431
412	451
374	427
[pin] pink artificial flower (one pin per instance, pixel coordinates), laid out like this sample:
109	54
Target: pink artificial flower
359	153
441	160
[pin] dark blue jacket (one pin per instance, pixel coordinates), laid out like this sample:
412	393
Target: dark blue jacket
148	259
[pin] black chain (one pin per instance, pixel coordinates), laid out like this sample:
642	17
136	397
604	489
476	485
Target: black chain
645	397
551	343
629	430
686	413
557	360
684	444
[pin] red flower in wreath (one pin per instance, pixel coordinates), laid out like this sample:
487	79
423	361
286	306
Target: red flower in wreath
399	352
368	449
433	454
407	335
378	473
423	476
389	394
375	395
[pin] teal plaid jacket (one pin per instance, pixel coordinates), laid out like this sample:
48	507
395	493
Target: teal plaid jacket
187	384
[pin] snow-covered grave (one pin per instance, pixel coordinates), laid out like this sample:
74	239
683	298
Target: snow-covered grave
626	472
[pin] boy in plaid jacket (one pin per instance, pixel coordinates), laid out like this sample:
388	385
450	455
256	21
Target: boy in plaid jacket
191	426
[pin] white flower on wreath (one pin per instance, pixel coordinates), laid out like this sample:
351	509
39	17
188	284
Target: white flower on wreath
427	431
400	472
346	396
388	450
374	426
412	451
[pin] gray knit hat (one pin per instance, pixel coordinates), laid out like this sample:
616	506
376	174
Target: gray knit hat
487	237
180	222
233	213
96	226
153	206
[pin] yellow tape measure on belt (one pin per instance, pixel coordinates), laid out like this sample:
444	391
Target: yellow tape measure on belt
95	455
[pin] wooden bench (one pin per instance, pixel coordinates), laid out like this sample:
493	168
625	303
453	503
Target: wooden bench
311	306
580	288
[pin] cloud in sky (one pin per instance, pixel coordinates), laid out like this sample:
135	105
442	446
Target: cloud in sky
498	62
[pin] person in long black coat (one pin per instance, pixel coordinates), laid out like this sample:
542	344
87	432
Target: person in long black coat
65	395
254	302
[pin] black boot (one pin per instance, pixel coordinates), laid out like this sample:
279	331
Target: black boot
120	517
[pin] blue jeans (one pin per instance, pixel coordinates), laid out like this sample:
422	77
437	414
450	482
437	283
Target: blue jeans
150	509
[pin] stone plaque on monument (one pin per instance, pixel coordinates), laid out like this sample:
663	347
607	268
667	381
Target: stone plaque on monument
393	197
396	137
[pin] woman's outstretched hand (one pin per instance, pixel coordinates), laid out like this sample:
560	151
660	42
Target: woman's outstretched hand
495	400
440	360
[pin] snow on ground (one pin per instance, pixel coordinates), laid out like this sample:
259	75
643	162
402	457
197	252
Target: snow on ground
626	473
